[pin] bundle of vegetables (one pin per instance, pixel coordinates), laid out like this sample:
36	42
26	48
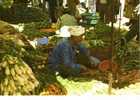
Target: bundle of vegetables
102	28
90	35
11	45
17	77
6	28
54	89
32	29
97	43
128	55
35	59
43	24
21	14
132	60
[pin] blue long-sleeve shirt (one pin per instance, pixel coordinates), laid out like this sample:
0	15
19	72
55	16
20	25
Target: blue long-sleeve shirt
64	54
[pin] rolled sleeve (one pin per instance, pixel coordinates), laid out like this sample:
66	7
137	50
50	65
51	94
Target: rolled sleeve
84	50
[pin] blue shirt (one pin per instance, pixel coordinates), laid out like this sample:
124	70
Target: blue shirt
64	54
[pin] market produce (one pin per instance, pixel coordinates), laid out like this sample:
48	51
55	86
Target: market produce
108	65
54	89
17	77
102	28
24	70
6	28
34	29
12	45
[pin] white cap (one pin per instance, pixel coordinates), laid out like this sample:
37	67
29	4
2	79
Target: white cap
63	32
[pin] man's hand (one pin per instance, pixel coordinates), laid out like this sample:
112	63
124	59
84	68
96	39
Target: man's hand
86	71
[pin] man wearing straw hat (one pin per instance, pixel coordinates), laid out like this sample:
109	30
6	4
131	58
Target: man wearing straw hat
63	58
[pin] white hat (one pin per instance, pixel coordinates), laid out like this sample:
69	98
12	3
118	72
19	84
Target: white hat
63	32
76	30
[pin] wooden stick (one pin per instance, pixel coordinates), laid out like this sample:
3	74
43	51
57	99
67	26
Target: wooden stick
110	79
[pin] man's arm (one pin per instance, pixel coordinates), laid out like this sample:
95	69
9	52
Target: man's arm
84	50
68	58
93	60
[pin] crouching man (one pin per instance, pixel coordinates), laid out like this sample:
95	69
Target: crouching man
64	56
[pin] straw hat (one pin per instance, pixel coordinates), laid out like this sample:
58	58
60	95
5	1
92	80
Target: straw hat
76	30
68	31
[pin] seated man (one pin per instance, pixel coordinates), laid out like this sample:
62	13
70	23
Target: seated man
63	58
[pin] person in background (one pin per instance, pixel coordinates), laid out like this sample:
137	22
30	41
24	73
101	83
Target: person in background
63	58
66	19
82	8
133	25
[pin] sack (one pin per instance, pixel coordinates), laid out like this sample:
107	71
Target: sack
42	41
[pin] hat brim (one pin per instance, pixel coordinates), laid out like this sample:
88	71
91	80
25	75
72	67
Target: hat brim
76	30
